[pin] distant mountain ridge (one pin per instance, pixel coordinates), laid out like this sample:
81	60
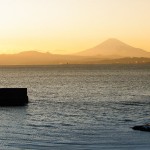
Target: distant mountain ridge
39	58
110	51
114	47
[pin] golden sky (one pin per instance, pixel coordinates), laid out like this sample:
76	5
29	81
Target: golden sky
67	26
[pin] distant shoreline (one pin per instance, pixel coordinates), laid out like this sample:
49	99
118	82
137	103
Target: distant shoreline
54	65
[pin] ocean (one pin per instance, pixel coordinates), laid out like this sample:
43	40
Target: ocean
85	107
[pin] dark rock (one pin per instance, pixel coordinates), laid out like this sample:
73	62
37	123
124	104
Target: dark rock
13	96
145	127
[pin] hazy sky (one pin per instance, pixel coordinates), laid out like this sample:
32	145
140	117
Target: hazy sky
72	25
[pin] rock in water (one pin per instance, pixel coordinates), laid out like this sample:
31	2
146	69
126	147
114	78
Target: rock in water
145	127
13	96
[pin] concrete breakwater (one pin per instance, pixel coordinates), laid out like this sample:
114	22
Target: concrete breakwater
13	96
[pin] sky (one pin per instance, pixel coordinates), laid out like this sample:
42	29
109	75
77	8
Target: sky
69	26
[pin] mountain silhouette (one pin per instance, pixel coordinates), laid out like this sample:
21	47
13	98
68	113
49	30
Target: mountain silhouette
39	58
115	48
110	51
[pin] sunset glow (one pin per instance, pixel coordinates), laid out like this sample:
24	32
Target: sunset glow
68	26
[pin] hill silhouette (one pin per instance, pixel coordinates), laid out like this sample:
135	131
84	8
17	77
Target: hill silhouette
39	58
110	51
115	48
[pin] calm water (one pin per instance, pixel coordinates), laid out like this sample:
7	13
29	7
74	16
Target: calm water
77	107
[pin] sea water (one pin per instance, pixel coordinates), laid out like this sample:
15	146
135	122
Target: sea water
86	107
